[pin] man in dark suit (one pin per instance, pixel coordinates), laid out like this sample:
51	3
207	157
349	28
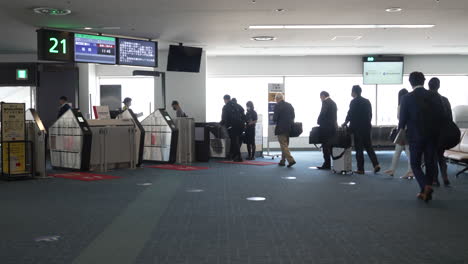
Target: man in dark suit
284	118
360	119
327	121
64	106
232	118
434	85
421	113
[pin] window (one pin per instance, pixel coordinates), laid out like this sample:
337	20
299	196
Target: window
244	89
18	94
303	93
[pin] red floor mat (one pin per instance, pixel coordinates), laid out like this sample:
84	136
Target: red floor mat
249	162
177	167
84	176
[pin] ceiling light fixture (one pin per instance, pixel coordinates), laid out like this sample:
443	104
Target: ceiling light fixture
339	26
394	9
87	28
280	10
347	38
263	38
51	11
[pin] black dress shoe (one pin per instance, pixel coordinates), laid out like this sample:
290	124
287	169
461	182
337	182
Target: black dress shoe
360	172
291	164
238	160
282	164
377	169
324	168
446	183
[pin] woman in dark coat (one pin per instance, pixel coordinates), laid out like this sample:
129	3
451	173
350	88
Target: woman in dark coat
252	118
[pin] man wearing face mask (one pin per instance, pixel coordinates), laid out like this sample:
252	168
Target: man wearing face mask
178	109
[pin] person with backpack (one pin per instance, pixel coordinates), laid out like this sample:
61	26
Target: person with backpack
434	85
233	118
421	112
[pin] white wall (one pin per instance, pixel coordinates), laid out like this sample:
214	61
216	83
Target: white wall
87	79
327	65
187	88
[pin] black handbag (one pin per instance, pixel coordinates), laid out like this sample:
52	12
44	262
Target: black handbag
296	130
315	136
393	134
449	136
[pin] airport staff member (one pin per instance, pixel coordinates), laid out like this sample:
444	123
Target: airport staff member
127	103
178	109
64	106
422	112
360	119
284	118
234	120
327	121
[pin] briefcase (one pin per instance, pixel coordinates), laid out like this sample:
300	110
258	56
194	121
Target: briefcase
315	136
296	130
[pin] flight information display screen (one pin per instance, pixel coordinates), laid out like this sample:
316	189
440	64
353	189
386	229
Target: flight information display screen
95	49
138	52
383	70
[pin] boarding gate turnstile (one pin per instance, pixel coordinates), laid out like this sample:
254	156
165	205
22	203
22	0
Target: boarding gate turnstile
95	145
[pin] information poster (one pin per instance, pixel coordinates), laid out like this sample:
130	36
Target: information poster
273	89
13	130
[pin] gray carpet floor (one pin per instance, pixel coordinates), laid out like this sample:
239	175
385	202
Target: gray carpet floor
203	217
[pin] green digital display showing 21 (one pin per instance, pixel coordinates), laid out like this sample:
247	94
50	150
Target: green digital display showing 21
54	45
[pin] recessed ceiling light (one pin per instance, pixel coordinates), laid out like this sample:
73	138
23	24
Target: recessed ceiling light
51	11
394	9
87	28
347	38
338	26
263	38
280	10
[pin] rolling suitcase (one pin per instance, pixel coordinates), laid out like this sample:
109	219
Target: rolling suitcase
342	161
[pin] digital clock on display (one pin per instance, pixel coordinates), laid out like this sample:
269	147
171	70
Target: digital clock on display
53	45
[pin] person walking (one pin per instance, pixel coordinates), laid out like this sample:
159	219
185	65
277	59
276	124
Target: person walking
421	113
252	118
233	119
284	118
327	121
400	145
360	123
434	85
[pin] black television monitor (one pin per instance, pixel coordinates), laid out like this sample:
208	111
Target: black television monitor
184	59
137	52
383	70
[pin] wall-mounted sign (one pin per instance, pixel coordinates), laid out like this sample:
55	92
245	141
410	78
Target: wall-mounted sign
12	139
54	45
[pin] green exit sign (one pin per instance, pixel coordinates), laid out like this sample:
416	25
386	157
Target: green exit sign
53	45
22	74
